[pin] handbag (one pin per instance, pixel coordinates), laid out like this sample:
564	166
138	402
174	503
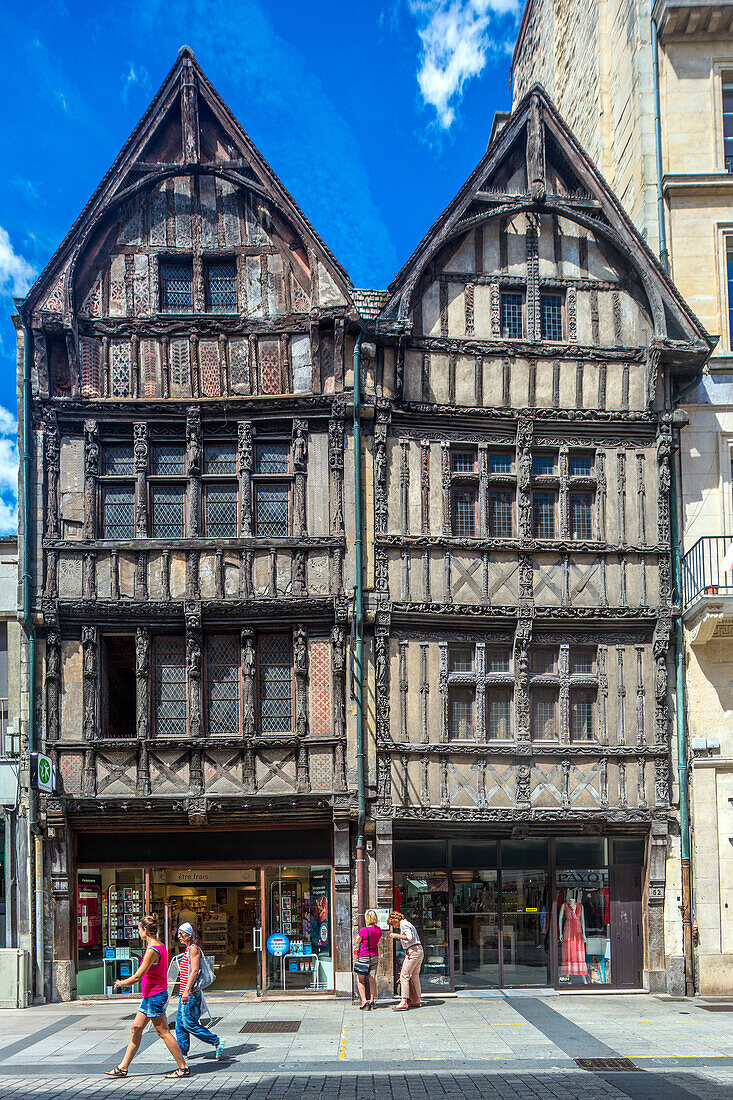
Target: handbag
206	975
363	966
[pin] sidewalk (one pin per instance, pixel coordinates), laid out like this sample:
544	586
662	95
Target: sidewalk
501	1046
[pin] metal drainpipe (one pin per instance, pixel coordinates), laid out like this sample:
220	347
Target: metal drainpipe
28	623
663	253
359	616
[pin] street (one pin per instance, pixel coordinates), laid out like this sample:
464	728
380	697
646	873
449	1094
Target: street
490	1046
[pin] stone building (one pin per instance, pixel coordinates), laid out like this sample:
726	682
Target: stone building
192	526
591	54
189	340
9	741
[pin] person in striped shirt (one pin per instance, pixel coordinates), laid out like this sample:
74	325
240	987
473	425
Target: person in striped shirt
188	1016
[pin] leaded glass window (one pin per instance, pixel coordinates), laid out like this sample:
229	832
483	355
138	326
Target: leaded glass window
501	513
176	280
118	459
460	659
222	684
171	710
499	713
511	316
463	462
544	713
500	463
543	515
220	458
581	516
118	512
543	661
464	512
272	509
580	465
168	459
167	511
497	660
582	662
221	287
551	316
275	685
460	712
543	465
220	509
272	458
582	706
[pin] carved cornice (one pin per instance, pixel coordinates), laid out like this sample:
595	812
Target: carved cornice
561	815
256	611
590	750
511	546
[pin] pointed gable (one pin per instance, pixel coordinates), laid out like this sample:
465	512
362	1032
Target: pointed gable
536	213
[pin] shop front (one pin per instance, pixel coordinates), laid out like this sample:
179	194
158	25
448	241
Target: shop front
562	912
267	925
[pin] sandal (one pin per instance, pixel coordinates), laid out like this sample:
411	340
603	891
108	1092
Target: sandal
116	1072
185	1072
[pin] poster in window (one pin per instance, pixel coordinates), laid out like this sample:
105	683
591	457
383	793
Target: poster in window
89	915
320	902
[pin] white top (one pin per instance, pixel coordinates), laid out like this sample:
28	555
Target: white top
409	930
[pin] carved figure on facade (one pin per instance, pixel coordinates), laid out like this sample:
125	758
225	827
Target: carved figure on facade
193	440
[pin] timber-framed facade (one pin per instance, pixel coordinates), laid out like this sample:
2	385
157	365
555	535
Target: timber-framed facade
192	529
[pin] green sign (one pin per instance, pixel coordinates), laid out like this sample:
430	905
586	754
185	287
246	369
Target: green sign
41	773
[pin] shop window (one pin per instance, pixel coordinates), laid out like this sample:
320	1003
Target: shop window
176	282
551	316
581	516
272	494
582	714
419	855
526	854
118	686
222	684
512	306
499	713
109	904
461	712
583	918
571	852
543	515
628	851
275	684
299	905
423	898
221	286
170	697
544	713
470	854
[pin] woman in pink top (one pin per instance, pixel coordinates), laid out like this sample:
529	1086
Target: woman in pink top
367	950
152	974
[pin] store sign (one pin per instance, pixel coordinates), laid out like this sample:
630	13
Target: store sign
199	876
42	773
320	884
278	945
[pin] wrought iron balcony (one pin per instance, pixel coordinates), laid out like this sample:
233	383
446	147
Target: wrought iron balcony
707	569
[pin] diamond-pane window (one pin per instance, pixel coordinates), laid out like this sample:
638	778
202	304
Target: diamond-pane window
220	458
118	459
275	685
511	316
118	512
581	516
460	712
272	458
176	280
272	507
221	511
544	713
463	462
167	508
464	512
168	459
582	706
543	515
171	709
551	316
499	713
222	684
221	287
501	514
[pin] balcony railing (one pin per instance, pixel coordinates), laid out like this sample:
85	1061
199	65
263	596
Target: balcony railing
707	568
729	162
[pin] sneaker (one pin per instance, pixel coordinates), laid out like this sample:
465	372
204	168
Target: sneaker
219	1049
170	1058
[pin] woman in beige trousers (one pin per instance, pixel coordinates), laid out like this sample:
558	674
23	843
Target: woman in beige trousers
410	993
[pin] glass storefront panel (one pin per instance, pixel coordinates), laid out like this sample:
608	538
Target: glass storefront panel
422	896
525	910
475	930
583	921
298	930
109	905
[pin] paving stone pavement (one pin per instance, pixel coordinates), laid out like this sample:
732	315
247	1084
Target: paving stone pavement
493	1047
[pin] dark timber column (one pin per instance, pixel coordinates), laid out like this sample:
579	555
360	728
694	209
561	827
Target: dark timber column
141	472
300	468
193	676
90	721
384	899
193	470
58	852
142	707
91	472
244	468
342	930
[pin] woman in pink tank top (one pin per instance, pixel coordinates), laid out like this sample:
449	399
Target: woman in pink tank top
152	974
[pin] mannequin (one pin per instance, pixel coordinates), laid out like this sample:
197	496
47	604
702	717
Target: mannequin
571	924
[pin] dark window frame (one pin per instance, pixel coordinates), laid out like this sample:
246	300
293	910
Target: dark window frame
263	480
262	641
208	665
158	642
210	265
168	262
557	334
517	332
548	494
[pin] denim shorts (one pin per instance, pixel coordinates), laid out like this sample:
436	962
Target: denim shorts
154	1006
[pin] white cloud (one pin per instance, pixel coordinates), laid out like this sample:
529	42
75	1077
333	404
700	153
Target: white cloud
16	274
457	37
8	517
8	472
136	75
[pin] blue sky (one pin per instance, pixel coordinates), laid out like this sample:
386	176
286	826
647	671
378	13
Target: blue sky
372	114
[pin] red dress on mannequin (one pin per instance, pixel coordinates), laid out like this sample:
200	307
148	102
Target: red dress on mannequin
573	943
